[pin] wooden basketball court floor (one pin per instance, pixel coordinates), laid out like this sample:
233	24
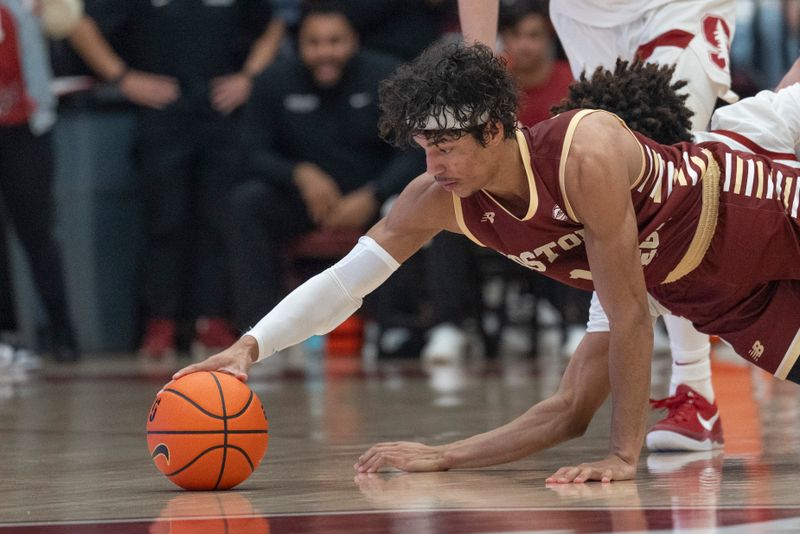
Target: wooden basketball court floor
73	456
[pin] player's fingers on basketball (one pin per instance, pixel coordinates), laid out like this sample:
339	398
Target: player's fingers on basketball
187	370
236	373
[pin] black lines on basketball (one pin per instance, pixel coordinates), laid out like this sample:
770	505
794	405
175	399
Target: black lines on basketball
200	432
193	403
211	449
245	407
225	429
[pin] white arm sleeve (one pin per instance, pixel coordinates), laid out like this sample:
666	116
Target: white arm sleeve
598	320
326	300
768	120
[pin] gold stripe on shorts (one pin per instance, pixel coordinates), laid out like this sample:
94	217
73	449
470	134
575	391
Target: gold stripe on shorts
789	359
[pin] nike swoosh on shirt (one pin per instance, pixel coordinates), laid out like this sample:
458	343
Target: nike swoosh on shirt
708	424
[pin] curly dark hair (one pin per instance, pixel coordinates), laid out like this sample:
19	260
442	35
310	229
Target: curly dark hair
641	94
469	80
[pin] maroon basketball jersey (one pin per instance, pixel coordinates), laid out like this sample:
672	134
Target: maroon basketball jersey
675	198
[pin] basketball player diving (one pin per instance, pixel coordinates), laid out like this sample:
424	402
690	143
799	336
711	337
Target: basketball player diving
700	230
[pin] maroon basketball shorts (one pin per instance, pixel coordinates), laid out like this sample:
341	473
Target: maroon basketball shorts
747	288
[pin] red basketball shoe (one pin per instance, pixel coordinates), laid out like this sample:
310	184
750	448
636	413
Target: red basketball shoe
692	423
158	344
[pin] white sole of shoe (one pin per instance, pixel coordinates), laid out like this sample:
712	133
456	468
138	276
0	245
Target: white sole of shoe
664	440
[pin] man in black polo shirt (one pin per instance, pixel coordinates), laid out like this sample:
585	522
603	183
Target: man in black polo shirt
315	156
189	64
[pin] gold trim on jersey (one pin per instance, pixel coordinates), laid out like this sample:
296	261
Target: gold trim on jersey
525	154
573	124
533	198
461	223
789	359
706	226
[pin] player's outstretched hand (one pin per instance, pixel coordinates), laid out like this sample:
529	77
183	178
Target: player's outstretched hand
612	468
235	360
404	455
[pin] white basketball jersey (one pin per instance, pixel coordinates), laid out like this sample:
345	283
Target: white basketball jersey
604	13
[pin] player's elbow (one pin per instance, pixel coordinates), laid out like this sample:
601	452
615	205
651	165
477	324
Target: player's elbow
578	425
574	418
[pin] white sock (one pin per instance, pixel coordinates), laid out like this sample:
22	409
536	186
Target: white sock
691	363
696	375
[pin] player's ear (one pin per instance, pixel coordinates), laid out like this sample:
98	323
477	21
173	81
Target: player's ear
494	133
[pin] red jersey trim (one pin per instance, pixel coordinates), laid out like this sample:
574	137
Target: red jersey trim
755	147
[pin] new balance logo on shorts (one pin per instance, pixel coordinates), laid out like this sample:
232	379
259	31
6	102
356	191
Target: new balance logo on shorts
756	351
488	217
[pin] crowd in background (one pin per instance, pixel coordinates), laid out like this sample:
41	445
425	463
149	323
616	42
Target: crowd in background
256	128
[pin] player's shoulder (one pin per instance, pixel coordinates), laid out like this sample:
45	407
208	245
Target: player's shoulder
601	141
594	129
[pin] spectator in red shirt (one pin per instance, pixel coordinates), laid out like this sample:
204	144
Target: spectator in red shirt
529	44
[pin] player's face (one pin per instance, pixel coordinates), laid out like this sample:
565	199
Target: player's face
326	43
528	43
459	165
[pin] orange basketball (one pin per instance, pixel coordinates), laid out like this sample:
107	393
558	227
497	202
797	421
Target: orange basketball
207	431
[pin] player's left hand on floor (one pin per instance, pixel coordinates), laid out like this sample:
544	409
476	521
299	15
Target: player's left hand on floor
404	455
612	468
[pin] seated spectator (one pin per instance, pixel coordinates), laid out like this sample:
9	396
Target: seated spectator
189	65
315	158
529	44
